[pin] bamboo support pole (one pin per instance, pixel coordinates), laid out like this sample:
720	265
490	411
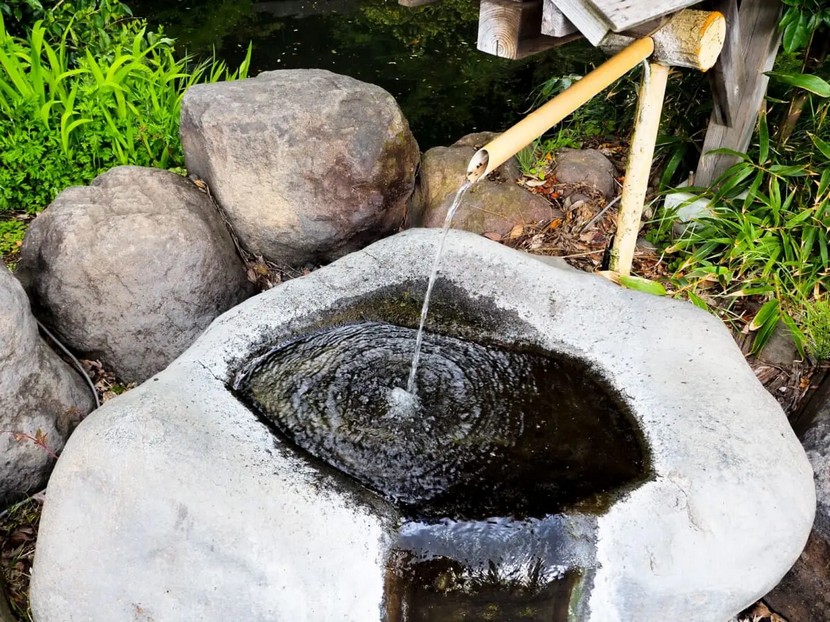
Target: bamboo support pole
638	170
503	147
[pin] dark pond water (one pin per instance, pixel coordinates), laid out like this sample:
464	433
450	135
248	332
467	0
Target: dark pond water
425	57
496	432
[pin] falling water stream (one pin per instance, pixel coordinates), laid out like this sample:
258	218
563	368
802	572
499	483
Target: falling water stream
411	386
482	454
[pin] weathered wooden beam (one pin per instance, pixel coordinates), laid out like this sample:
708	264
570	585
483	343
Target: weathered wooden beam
554	21
511	29
625	14
690	39
415	3
727	76
760	37
586	18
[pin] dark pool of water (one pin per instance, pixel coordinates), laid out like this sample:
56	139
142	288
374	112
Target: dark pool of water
425	57
496	432
446	590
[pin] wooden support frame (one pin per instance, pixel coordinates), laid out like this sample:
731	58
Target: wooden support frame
759	40
586	18
554	22
625	14
512	29
727	76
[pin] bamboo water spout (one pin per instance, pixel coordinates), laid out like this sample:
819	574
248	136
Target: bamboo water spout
506	145
690	39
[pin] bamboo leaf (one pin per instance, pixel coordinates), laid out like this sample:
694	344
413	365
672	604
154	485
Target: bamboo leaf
16	74
763	138
795	331
808	82
824	182
766	328
784	170
822	145
697	301
642	285
765	314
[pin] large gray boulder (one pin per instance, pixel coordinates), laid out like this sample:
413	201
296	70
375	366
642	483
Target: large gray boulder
40	396
309	165
177	500
130	269
495	204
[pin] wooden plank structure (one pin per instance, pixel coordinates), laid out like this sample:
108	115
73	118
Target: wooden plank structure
748	55
518	28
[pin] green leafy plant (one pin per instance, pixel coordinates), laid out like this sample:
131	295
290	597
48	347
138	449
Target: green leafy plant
767	235
801	19
67	114
815	323
534	160
11	235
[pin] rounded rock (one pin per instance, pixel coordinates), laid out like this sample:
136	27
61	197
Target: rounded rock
41	396
308	165
222	519
495	204
131	269
585	167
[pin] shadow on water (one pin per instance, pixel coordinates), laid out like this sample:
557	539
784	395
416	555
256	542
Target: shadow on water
425	57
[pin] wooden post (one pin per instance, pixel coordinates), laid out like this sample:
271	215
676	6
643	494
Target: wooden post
760	38
690	39
511	29
638	170
727	76
554	22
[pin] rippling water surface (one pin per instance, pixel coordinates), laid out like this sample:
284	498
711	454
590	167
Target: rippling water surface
493	432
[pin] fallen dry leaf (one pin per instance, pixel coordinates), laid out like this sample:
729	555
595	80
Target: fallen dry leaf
516	232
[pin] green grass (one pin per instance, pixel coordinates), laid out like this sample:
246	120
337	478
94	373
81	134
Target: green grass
69	113
769	230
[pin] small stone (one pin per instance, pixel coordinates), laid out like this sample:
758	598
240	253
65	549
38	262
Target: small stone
780	350
495	205
585	167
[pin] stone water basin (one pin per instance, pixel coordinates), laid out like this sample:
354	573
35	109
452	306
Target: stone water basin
608	455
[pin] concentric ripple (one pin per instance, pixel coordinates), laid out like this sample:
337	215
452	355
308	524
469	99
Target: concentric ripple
492	431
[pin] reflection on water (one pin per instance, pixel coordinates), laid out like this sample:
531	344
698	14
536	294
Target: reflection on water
499	569
425	57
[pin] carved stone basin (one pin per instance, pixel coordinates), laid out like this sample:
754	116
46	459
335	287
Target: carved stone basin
582	452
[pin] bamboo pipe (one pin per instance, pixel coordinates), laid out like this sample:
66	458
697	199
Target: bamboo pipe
506	145
638	169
